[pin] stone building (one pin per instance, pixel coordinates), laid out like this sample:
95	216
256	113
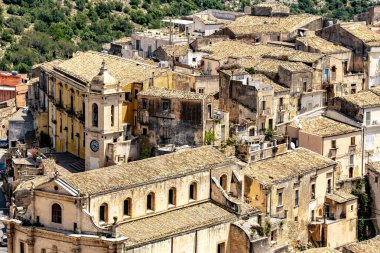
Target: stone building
365	45
339	141
88	105
266	25
269	9
364	108
298	187
179	117
13	86
339	78
7	109
255	102
371	16
171	203
373	173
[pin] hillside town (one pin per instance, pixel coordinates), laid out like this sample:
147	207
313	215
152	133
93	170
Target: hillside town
220	132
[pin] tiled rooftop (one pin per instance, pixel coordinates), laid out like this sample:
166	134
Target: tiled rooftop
368	246
259	24
324	127
168	93
173	223
341	197
286	166
175	50
321	250
287	54
229	48
146	171
375	166
321	45
365	99
277	87
362	32
85	65
270	67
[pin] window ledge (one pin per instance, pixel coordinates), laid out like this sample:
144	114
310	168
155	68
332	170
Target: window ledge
149	211
171	206
126	217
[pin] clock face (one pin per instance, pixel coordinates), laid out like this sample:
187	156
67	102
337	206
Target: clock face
94	145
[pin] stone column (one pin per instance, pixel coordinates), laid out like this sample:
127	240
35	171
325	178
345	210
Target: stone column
10	237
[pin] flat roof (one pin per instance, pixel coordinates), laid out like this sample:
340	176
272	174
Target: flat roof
179	21
173	222
286	166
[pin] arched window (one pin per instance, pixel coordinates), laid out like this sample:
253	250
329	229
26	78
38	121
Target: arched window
223	182
56	213
103	213
112	115
150	202
94	115
193	191
333	73
351	172
172	196
127	207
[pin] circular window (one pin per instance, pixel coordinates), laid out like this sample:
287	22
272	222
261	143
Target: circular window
56	188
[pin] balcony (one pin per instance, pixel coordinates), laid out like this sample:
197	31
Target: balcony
282	108
265	112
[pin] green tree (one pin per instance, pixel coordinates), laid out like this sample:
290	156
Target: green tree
60	31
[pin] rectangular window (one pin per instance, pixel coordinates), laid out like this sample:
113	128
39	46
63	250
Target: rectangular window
352	141
72	131
376	179
368	118
296	198
127	96
345	67
145	104
352	159
312	191
166	106
279	201
22	247
312	215
281	101
145	131
263	105
201	90
221	248
329	186
333	144
138	45
136	92
209	111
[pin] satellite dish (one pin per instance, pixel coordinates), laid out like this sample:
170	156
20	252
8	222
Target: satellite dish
292	146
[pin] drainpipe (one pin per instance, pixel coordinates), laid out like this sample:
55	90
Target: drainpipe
363	146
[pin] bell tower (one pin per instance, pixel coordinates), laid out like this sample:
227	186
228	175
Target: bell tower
103	125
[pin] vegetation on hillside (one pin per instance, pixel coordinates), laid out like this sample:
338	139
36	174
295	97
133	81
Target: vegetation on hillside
340	9
34	31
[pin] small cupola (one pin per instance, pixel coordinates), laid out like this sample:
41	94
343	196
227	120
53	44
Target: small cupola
103	80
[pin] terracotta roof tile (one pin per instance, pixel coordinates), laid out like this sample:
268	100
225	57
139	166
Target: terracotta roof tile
173	222
286	166
145	171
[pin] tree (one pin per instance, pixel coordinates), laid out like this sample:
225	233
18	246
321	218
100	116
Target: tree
60	31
